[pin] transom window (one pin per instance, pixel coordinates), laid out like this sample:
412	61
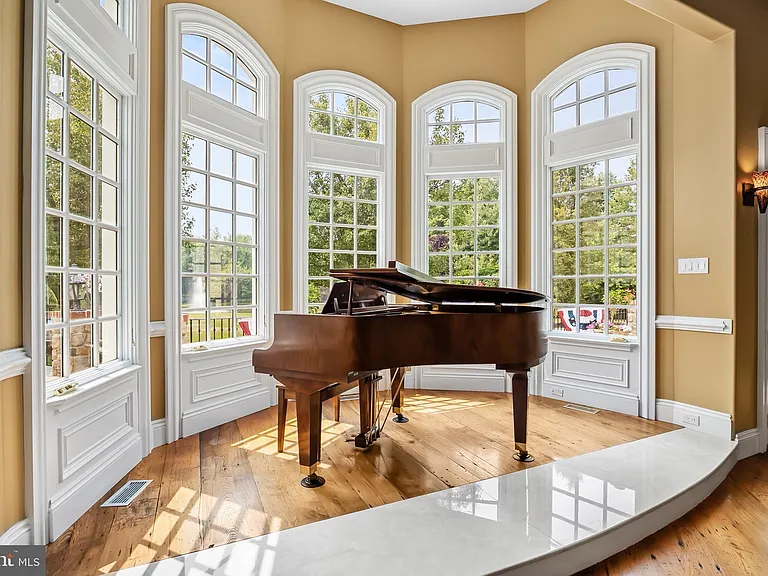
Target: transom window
464	122
213	67
594	247
595	97
345	115
82	232
218	241
343	232
463	222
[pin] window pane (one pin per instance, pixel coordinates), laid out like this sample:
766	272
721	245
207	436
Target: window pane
623	200
193	72
52	240
193	257
463	215
246	230
462	133
564	264
246	260
592	85
221	160
220	227
622	230
591	111
193	152
343	238
321	101
319	183
592	262
319	210
622	102
488	239
564	291
592	175
462	111
221	193
319	263
488	132
592	291
366	188
221	325
107	341
439	135
107	111
367	130
53	297
80	90
221	57
79	192
194	327
591	233
53	354
318	290
591	320
488	189
463	241
438	266
80	236
192	222
343	186
366	261
246	199
487	214
195	44
320	122
623	321
366	240
53	170
563	208
193	187
221	259
622	169
622	291
193	292
343	212
463	265
439	114
366	110
622	261
564	119
488	265
344	103
246	98
244	74
246	322
591	204
107	249
245	291
54	67
567	96
343	126
564	236
487	112
108	204
564	180
107	157
319	237
108	296
343	261
439	190
80	141
80	295
221	86
80	348
54	125
619	78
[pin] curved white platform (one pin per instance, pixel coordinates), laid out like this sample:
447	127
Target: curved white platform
554	519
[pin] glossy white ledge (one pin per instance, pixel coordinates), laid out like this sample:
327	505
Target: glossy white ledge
552	519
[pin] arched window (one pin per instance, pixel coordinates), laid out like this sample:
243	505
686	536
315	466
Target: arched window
343	181
592	222
463	184
221	247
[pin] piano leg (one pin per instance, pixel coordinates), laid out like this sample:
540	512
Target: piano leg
398	381
282	407
309	417
367	396
520	415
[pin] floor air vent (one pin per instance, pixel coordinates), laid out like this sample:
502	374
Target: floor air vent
127	493
586	409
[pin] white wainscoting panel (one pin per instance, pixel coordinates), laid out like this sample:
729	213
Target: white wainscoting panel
590	369
335	151
219	386
473	378
695	324
93	439
694	417
459	157
159	436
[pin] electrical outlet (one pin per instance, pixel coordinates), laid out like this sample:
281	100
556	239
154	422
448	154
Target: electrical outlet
692	419
559	392
693	265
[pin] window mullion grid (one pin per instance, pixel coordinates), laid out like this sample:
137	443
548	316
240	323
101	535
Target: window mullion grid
577	210
606	220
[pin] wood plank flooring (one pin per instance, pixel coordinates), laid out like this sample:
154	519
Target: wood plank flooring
230	483
725	534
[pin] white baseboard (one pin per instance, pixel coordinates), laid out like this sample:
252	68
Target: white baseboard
205	418
749	443
602	399
20	534
709	421
159	436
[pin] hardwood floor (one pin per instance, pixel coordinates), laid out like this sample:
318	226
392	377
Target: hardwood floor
230	483
725	534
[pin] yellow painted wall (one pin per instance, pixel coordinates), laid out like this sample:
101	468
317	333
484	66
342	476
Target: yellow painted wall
11	403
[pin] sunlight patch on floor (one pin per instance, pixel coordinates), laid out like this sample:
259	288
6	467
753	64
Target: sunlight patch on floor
431	404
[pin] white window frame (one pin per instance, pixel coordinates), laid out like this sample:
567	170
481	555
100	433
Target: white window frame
638	134
119	56
194	19
474	160
377	159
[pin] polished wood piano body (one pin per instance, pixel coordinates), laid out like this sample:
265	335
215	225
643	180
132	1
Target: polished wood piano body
319	356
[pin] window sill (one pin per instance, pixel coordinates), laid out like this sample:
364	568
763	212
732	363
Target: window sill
86	389
191	354
604	342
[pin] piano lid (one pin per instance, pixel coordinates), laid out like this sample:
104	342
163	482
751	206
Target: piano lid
403	280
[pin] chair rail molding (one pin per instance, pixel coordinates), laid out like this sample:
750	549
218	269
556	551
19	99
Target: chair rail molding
157	329
13	363
695	324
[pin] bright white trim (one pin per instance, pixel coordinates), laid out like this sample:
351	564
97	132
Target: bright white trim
711	422
762	303
337	80
156	329
695	324
641	58
597	342
20	534
13	363
198	19
506	101
749	443
159	433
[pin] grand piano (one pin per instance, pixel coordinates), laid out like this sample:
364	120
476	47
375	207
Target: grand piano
359	334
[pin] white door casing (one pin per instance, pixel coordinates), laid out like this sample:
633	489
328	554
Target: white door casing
762	304
590	369
207	387
493	159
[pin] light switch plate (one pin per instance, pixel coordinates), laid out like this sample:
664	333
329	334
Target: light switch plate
693	265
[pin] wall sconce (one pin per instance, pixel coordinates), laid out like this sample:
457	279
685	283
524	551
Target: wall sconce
757	188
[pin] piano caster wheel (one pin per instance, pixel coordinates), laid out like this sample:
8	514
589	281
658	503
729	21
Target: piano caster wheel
400	419
523	457
312	481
